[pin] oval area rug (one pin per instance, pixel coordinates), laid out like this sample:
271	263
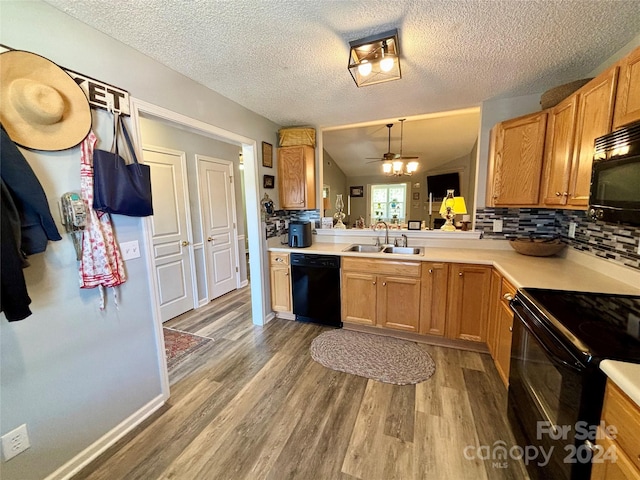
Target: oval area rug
386	359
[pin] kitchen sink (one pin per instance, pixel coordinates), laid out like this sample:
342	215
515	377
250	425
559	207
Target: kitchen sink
403	250
363	248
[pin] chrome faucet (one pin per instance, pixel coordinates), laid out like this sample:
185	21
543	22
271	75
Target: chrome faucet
405	240
386	233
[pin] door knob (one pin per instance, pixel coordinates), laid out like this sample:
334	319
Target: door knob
185	243
209	239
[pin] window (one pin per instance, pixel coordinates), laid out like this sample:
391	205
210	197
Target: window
388	203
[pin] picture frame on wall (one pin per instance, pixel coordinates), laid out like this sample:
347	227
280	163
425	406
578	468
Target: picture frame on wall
356	191
267	155
416	195
268	181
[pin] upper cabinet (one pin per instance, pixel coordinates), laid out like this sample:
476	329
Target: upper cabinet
515	164
595	116
627	107
296	169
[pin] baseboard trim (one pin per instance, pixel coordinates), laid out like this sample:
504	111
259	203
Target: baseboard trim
244	283
479	347
93	451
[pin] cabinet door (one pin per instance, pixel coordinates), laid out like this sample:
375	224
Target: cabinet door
620	469
492	322
518	160
469	287
627	107
297	177
433	299
359	298
595	115
503	344
281	289
561	128
398	303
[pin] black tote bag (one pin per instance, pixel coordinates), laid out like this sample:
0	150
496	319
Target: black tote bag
118	187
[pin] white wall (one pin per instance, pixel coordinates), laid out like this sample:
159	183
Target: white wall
69	371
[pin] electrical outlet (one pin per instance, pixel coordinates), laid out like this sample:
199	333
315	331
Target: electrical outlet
497	225
130	250
572	229
15	442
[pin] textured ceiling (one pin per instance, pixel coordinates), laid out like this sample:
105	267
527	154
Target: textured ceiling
287	60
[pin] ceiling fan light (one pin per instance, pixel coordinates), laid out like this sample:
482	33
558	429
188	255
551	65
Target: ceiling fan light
386	167
386	64
397	166
364	68
412	167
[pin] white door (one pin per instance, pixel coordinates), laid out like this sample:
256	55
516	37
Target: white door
170	231
219	224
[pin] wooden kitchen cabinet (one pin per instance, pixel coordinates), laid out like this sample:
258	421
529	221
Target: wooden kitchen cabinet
503	334
433	299
468	308
297	179
492	322
627	106
515	161
280	273
595	116
387	298
622	413
561	132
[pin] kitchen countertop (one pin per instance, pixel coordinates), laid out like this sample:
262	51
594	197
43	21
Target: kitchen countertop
554	272
522	271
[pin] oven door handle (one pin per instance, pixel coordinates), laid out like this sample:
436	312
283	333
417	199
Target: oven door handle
560	354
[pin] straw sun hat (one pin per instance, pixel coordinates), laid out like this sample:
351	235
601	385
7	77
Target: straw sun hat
41	106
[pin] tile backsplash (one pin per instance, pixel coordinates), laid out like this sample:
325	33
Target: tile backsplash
278	222
615	242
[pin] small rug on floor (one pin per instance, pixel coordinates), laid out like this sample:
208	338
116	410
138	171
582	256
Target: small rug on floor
178	345
386	359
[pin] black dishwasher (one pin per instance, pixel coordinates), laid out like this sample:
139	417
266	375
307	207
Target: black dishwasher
316	288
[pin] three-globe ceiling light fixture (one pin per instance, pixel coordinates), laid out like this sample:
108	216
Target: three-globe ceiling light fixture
375	59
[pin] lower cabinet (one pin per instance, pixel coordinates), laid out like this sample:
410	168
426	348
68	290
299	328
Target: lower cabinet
501	325
381	293
468	308
280	274
618	456
433	300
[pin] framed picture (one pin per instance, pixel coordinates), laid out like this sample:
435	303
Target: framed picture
416	195
413	225
267	155
356	191
268	181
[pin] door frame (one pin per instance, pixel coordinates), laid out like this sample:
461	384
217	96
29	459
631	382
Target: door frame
185	187
207	254
257	255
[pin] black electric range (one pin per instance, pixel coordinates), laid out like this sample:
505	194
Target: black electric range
556	387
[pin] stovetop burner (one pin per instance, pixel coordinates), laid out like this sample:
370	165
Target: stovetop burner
608	325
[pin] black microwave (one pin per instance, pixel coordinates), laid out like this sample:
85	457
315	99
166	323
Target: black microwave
615	177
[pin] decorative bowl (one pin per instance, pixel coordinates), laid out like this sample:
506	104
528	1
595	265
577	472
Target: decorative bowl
537	247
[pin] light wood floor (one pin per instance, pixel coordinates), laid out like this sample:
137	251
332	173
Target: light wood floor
254	405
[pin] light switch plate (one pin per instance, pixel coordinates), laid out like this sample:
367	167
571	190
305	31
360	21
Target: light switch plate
572	229
130	250
497	225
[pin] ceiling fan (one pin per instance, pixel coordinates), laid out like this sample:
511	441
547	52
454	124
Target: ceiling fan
390	156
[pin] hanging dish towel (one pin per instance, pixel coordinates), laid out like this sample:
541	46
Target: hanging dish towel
101	265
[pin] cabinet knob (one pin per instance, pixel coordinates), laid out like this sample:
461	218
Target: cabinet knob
431	270
460	274
558	194
384	284
373	283
279	259
565	194
495	196
507	296
511	329
185	243
286	274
